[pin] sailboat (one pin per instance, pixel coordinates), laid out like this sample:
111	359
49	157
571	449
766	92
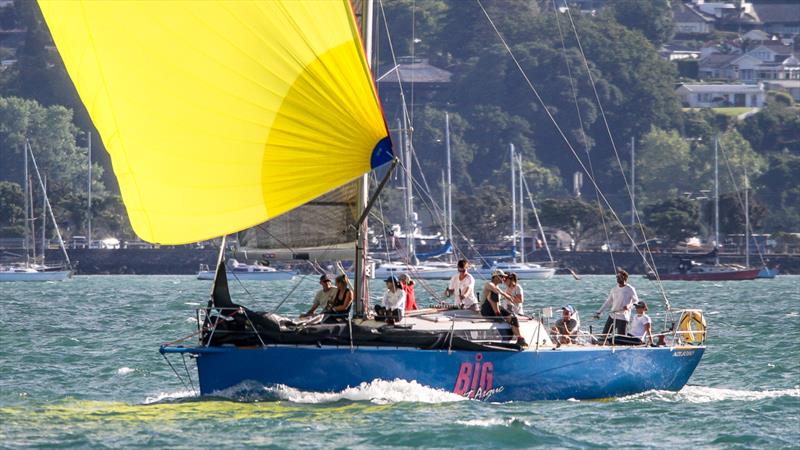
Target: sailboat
225	115
524	270
422	270
691	270
35	269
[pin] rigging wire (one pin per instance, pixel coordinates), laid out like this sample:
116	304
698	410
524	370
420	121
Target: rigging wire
572	149
584	136
739	197
634	211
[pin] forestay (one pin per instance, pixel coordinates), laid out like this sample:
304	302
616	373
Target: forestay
221	115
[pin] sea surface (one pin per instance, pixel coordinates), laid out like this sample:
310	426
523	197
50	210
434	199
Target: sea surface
79	367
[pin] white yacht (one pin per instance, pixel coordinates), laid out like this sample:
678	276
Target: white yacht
248	272
524	271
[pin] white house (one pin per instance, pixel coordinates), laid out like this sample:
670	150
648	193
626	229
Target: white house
721	95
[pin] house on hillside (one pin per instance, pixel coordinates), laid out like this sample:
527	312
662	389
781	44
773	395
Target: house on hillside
676	52
688	21
721	95
769	61
781	18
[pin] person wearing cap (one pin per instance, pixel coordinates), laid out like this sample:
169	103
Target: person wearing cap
408	286
490	303
566	328
324	296
641	324
619	303
394	300
462	285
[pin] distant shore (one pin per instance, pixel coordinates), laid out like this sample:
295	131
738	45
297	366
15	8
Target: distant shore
187	261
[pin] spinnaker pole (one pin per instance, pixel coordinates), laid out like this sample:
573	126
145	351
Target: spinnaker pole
513	203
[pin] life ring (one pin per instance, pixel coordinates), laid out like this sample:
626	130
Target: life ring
692	326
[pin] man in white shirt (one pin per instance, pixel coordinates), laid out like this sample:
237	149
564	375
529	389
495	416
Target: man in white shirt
619	302
462	285
394	300
324	296
641	324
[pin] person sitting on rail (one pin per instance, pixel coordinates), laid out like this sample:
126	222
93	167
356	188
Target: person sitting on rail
408	286
324	296
462	285
394	301
514	289
565	331
490	303
339	308
641	324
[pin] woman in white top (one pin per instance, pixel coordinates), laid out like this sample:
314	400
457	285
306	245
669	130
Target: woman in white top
514	290
462	285
394	299
641	325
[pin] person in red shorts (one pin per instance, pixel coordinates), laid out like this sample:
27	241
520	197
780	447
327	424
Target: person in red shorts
408	285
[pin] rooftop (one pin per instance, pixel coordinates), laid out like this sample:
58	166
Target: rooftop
417	70
728	88
777	12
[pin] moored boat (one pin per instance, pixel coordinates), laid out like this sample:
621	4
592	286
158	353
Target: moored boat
690	270
249	272
33	273
524	271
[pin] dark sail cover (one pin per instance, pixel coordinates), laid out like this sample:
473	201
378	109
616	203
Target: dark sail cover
220	296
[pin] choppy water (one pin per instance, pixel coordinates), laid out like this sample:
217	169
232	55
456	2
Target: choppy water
79	366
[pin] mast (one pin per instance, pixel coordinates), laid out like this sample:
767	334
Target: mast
746	222
31	220
44	216
409	191
361	287
513	204
521	211
633	190
89	192
47	205
25	183
716	198
449	188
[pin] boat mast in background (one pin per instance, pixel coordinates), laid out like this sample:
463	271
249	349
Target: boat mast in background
26	183
716	200
633	191
521	211
513	203
89	195
746	222
449	187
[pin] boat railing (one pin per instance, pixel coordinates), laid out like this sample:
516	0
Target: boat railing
689	330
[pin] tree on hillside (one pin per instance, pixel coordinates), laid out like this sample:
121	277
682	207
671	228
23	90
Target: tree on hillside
779	189
652	17
774	128
731	214
673	219
664	165
52	137
573	215
12	216
484	215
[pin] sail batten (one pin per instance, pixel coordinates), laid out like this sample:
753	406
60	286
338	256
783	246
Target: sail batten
222	115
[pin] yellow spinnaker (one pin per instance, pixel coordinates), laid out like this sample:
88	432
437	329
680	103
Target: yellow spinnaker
221	115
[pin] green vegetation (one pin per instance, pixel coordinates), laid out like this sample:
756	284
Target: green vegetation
490	106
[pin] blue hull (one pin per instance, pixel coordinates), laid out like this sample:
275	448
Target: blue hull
766	272
579	373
